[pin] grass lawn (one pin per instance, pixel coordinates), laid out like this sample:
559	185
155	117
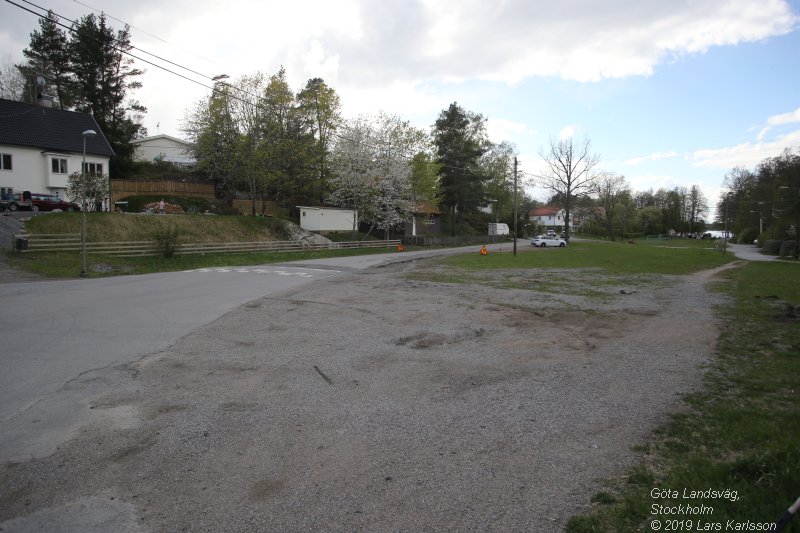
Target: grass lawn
613	257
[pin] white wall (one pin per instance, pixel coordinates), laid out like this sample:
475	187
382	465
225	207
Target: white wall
171	150
326	219
32	170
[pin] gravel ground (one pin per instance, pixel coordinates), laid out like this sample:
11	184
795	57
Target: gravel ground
383	400
9	225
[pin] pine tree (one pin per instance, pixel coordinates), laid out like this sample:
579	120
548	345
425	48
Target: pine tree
104	73
460	139
48	57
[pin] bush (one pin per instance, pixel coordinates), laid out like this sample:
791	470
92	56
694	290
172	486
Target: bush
772	246
747	236
787	249
277	227
167	238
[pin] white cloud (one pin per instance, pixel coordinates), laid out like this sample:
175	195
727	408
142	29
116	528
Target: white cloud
567	132
783	119
502	130
746	155
657	156
792	117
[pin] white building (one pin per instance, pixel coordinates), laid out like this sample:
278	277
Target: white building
164	148
41	146
324	219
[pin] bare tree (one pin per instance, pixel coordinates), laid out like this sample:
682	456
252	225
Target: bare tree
610	189
570	172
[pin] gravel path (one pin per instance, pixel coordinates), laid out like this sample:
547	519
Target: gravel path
384	400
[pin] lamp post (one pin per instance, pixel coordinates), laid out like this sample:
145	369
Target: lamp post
85	134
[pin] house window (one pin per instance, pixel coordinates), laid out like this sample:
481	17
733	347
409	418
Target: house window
430	221
59	165
93	168
5	162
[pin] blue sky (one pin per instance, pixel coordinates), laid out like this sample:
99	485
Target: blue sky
669	93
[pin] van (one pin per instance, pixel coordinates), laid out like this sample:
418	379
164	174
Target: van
498	228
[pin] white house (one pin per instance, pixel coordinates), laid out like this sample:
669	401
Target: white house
164	148
41	146
322	219
552	217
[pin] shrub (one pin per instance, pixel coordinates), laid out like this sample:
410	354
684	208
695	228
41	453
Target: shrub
772	246
167	238
747	236
787	249
277	227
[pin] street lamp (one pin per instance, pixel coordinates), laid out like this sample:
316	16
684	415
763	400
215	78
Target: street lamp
85	134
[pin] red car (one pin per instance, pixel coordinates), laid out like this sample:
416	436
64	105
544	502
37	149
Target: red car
47	202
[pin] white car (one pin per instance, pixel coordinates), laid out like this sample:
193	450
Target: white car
543	241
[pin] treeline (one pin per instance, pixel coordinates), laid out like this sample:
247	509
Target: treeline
764	203
257	137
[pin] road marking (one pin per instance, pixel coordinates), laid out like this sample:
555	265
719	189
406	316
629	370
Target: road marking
279	272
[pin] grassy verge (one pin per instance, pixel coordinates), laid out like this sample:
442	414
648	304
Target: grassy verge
68	265
613	258
110	227
742	431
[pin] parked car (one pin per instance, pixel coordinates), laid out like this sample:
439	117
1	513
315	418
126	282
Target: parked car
16	201
551	233
542	241
49	202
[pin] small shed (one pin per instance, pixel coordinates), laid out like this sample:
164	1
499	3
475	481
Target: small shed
426	220
325	219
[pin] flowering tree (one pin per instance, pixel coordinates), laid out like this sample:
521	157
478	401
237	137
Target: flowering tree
97	190
372	169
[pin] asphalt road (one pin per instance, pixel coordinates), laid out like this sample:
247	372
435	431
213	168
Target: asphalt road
55	331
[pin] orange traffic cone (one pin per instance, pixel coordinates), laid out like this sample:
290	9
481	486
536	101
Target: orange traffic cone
400	247
484	251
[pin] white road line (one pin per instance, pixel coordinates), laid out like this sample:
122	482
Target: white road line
278	272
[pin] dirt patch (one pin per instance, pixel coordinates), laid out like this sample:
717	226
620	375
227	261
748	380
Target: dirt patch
379	403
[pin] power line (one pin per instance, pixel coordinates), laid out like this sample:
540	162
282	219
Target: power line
128	44
214	88
143	31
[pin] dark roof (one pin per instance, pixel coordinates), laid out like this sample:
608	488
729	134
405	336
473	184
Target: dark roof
50	129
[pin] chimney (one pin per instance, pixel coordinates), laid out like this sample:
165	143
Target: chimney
44	100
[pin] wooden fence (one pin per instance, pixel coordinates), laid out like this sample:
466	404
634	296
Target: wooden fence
123	188
71	242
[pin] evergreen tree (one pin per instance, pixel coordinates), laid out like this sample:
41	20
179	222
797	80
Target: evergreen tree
320	106
104	74
460	140
48	56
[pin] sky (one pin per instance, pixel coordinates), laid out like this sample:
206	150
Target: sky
669	94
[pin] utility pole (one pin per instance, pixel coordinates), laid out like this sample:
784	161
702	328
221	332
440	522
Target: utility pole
515	206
